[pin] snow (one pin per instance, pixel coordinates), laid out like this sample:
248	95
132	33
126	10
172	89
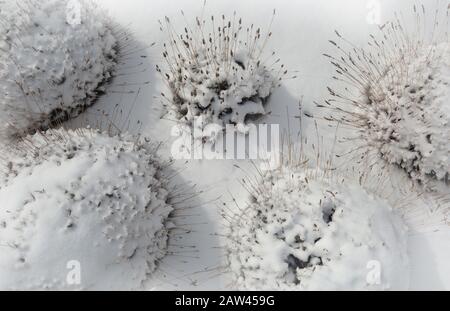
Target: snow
303	230
90	198
395	95
54	61
301	31
218	75
420	144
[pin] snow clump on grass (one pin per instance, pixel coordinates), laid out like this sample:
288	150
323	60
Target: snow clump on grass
396	94
418	139
86	197
56	56
308	229
218	75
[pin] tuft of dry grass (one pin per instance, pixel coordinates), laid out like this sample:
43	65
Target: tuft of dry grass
33	96
377	88
217	70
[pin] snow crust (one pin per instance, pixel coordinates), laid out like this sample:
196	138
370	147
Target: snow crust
56	56
409	121
94	199
304	231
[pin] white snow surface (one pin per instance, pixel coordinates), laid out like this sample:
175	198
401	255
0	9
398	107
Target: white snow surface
301	31
304	231
96	200
410	118
56	54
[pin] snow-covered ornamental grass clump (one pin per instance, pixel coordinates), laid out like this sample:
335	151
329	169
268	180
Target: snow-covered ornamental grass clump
396	93
218	74
56	56
309	229
82	210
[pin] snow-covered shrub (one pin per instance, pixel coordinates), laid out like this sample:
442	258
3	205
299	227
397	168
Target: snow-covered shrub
217	74
396	94
56	57
83	197
305	229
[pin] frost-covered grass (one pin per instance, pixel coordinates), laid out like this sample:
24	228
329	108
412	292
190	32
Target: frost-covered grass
396	95
55	60
83	196
218	73
314	229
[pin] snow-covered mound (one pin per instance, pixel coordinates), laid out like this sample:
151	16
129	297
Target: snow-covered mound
396	94
409	119
220	77
56	57
92	199
305	231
